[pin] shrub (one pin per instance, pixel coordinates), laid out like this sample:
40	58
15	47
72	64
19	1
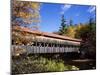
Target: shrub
31	65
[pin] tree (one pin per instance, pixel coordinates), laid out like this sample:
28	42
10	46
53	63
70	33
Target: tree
88	35
70	32
67	30
21	38
70	22
63	28
78	30
25	12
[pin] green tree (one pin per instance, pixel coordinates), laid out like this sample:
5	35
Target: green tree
71	22
88	35
63	28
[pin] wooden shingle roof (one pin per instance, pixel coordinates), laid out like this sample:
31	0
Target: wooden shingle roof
20	28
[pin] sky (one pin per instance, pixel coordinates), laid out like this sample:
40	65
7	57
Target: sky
50	15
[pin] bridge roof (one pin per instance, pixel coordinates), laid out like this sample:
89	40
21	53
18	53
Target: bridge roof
20	28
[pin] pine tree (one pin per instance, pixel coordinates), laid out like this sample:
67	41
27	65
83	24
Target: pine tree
71	22
63	28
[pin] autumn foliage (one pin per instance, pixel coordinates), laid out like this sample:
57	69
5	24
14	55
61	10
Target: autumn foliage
25	13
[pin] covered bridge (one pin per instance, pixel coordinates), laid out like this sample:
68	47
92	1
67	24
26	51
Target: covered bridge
42	42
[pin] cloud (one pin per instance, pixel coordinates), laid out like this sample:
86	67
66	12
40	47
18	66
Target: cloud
92	9
65	8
